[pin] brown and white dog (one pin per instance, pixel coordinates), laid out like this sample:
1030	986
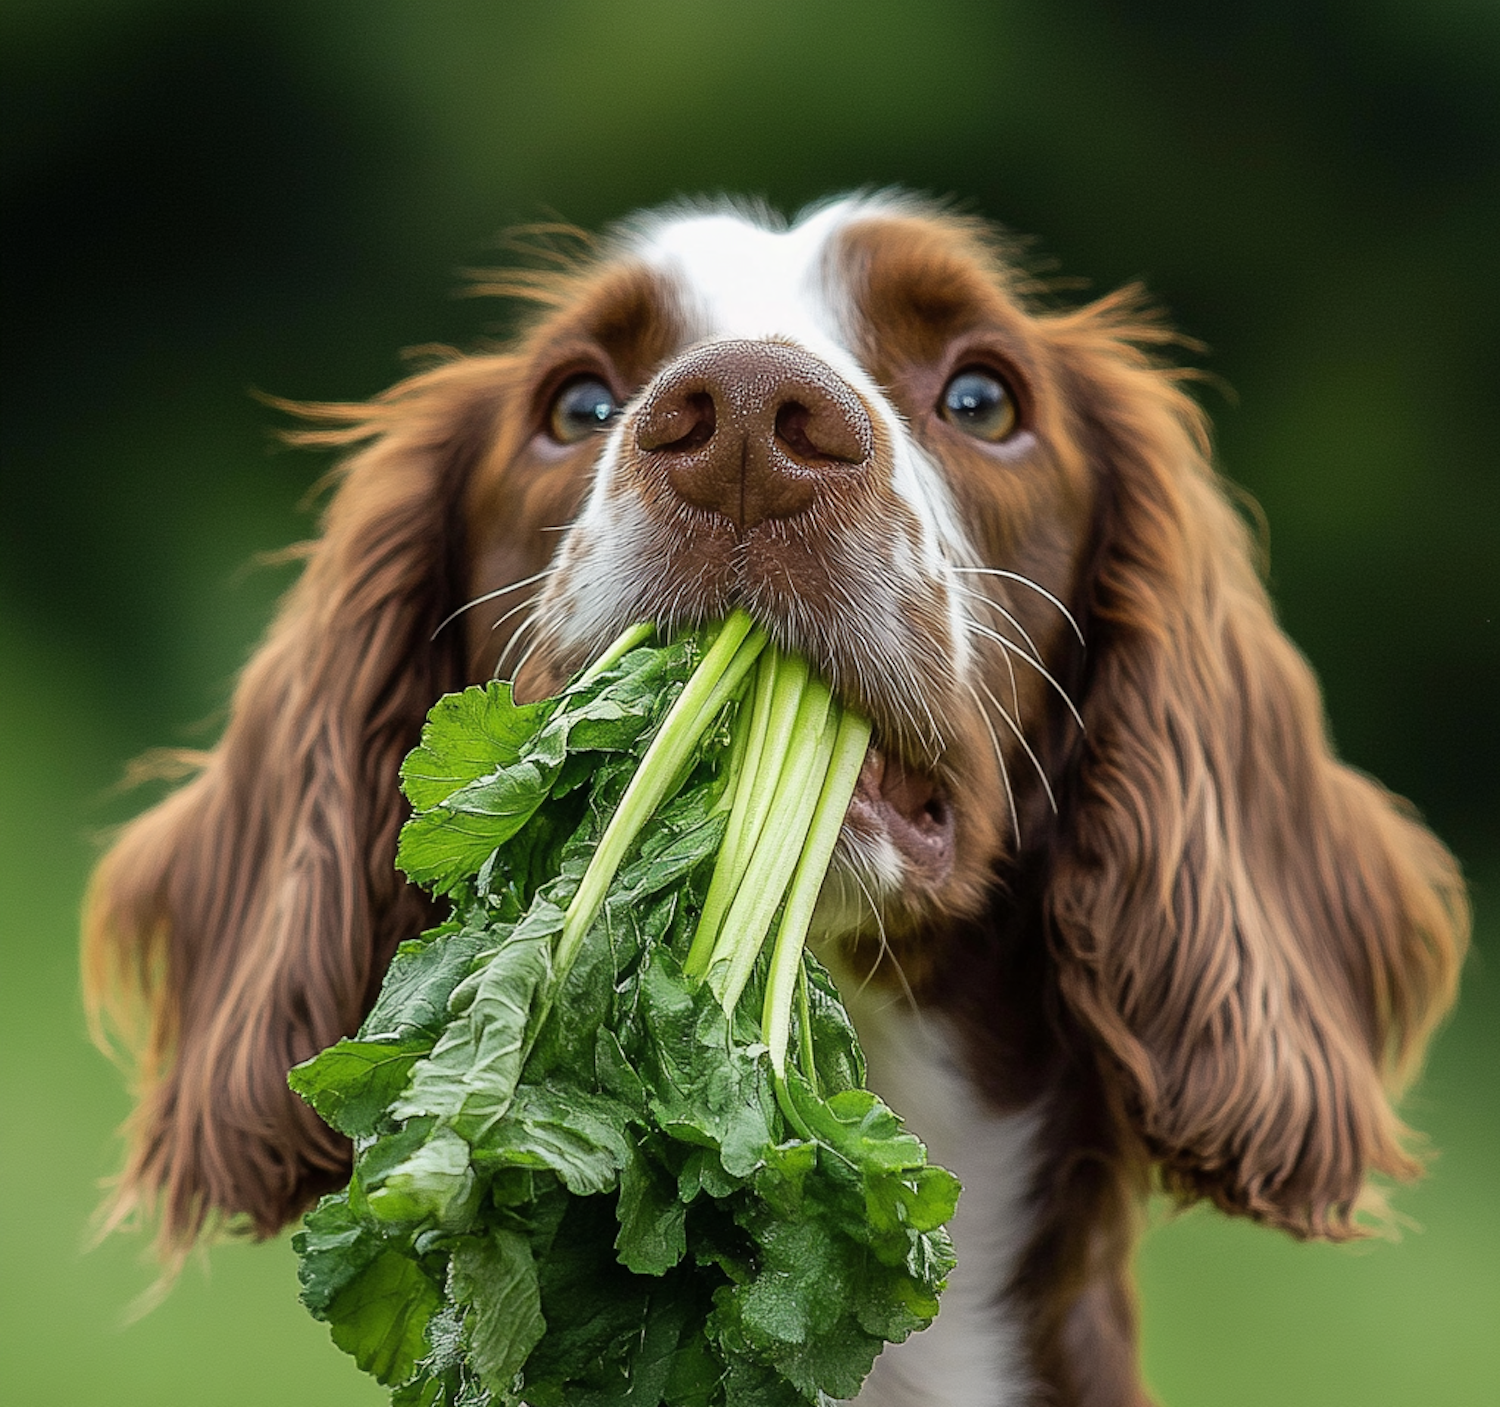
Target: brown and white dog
1107	908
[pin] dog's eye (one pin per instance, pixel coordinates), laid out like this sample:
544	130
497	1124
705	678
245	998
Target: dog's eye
979	403
583	405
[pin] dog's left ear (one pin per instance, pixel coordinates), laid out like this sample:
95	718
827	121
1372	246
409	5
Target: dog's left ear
250	915
1260	938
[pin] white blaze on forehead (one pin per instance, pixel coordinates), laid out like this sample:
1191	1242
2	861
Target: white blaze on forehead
737	278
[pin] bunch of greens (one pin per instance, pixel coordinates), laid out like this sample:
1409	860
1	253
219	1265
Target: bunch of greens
611	1144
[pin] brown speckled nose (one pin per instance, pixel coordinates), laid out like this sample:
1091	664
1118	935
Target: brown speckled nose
749	430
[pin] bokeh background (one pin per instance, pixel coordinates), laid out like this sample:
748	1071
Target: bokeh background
205	198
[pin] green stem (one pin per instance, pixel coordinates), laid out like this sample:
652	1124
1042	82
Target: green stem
790	1111
635	635
780	685
842	773
804	1029
776	852
711	685
739	746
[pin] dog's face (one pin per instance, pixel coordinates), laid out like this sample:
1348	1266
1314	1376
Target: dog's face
852	429
1100	825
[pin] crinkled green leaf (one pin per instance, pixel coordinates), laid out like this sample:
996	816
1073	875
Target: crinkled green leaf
471	1074
433	1182
493	1278
413	1001
574	1133
380	1317
353	1084
444	847
468	736
334	1247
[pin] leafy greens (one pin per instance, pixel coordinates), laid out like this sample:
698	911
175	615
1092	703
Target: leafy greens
611	1145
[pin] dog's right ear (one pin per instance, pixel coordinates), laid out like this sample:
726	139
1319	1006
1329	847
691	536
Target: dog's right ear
1259	938
246	921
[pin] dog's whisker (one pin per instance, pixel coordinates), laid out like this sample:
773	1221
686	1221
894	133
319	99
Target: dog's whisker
1020	737
994	605
1010	669
519	634
1010	796
488	596
1035	586
1013	648
519	606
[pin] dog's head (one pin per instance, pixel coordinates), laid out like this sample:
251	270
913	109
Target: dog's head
990	523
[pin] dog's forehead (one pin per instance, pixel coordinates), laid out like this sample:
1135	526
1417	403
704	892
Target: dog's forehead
735	275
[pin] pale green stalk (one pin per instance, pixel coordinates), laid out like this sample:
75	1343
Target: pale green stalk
739	746
847	755
709	688
780	685
635	635
777	850
804	1029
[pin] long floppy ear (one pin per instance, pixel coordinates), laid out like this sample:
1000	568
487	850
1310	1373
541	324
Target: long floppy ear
246	920
1260	938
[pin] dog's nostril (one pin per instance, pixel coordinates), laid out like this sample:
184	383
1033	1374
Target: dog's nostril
678	424
751	431
826	433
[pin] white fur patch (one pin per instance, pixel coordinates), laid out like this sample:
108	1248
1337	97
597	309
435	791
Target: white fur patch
973	1355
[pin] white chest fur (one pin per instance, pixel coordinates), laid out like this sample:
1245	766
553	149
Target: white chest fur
972	1356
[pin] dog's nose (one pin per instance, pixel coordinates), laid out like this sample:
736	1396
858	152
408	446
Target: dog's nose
751	430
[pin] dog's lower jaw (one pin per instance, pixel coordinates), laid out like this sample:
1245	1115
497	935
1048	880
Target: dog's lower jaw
975	1352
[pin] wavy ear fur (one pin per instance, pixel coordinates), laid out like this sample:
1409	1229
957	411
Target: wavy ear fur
250	915
1259	938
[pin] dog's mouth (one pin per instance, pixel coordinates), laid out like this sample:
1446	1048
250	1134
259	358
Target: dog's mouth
899	808
908	808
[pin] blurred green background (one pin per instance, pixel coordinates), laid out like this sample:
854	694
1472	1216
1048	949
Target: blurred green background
205	198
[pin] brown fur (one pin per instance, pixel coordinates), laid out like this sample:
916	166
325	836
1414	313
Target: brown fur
1219	957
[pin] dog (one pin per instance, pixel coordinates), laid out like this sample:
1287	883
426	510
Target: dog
1109	913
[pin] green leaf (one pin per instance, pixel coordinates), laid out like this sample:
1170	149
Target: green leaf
444	846
836	1051
470	1076
434	1182
468	736
353	1083
858	1126
653	1222
413	1001
494	1278
334	1248
578	1135
380	1316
